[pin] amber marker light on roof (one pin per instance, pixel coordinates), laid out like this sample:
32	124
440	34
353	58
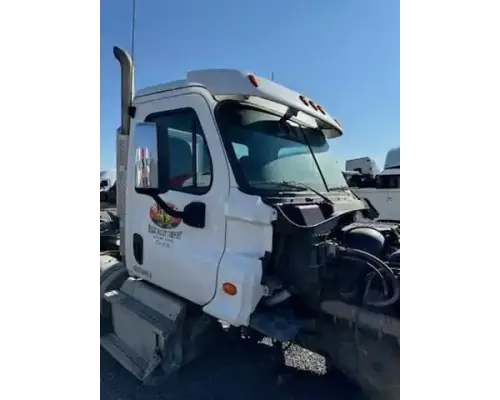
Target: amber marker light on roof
313	105
304	100
253	80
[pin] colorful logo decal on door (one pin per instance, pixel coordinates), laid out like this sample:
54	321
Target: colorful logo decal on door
162	219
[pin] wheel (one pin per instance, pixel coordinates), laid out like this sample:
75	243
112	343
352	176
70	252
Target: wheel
113	274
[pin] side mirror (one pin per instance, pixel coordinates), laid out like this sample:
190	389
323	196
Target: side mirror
147	175
146	158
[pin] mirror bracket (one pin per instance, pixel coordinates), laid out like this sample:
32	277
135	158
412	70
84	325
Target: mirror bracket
165	207
193	214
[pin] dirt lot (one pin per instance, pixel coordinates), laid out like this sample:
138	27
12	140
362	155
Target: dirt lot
238	372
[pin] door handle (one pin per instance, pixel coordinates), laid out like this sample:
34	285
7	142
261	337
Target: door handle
138	248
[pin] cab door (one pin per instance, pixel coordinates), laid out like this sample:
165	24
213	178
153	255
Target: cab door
164	250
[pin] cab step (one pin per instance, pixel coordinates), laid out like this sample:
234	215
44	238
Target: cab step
280	327
128	358
160	324
145	334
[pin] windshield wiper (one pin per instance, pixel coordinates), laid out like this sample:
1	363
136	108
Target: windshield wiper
344	188
300	185
279	183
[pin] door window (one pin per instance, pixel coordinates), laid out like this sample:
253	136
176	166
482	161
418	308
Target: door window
182	147
387	182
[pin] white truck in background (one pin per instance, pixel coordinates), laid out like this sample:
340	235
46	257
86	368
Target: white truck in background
363	165
108	186
273	242
382	189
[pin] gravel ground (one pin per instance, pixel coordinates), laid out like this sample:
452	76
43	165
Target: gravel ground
240	371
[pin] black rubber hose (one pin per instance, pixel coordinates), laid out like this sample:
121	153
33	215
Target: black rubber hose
370	259
369	264
382	303
375	270
367	257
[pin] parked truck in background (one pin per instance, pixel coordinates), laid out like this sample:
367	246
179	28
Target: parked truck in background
108	186
363	165
382	189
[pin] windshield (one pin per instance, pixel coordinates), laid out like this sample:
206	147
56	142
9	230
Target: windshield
268	152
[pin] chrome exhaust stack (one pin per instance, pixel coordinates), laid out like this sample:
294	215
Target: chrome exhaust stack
122	138
127	87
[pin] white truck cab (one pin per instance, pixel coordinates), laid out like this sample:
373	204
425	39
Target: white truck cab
383	189
393	159
107	186
194	125
108	179
231	205
363	165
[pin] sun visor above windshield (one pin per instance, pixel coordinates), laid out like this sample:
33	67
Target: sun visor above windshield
246	117
227	82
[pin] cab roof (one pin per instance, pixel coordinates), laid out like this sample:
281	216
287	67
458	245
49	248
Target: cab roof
392	159
230	82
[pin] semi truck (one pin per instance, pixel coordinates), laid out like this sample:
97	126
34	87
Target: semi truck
363	165
382	190
107	186
266	243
